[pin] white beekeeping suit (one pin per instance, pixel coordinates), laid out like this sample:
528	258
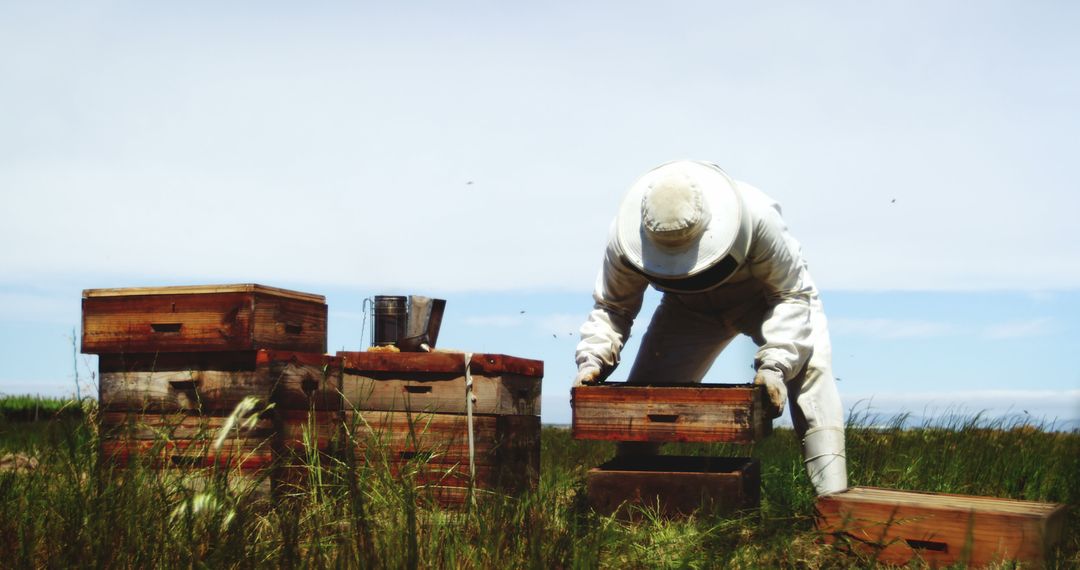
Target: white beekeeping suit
722	255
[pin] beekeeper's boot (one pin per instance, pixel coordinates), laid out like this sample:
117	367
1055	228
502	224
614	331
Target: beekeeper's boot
826	463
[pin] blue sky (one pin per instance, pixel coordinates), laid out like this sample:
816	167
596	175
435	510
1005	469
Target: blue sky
923	151
920	352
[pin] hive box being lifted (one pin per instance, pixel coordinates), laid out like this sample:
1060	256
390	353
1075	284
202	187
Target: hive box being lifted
202	318
675	485
732	413
942	529
435	382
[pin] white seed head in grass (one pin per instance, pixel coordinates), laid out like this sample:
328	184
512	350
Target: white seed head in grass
204	505
241	418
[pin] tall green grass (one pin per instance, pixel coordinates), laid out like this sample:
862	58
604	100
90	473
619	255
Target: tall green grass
36	408
75	509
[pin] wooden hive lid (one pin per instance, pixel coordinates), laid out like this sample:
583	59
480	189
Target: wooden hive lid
440	362
203	290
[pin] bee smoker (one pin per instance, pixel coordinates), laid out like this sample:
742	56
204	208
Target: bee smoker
412	324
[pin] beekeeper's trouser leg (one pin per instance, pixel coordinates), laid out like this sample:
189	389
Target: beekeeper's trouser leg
817	413
681	345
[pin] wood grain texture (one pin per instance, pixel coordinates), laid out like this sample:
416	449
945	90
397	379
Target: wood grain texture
302	380
439	362
203	290
675	485
938	528
184	440
206	390
299	431
435	446
688	413
494	393
225	320
443	438
216	382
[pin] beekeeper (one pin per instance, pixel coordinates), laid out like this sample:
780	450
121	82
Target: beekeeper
722	255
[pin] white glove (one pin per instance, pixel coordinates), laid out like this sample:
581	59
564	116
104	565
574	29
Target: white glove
588	374
773	380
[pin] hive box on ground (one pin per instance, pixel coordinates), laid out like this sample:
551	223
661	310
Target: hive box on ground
202	318
409	412
942	529
675	485
732	413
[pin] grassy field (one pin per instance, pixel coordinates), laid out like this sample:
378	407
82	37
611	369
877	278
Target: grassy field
36	408
68	508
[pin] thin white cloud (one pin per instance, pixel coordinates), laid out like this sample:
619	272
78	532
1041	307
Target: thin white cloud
1019	329
893	328
886	328
34	307
174	150
1047	404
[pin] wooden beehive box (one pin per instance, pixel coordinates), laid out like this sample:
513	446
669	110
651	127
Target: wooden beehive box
218	381
434	447
201	318
435	382
674	485
942	529
181	439
171	408
408	411
732	413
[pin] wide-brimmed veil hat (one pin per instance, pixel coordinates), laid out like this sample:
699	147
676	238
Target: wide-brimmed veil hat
684	226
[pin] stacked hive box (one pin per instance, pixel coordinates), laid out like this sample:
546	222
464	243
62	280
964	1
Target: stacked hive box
175	362
415	412
678	485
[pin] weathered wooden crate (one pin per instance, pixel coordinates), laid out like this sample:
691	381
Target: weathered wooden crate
169	409
732	413
899	526
181	439
674	485
433	448
435	382
218	381
202	318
